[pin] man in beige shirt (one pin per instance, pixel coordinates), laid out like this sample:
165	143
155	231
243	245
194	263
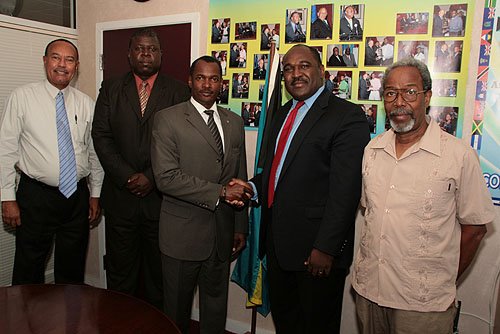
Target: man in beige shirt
426	206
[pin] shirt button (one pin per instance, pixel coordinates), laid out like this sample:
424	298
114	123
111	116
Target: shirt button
392	186
383	236
396	162
382	261
387	211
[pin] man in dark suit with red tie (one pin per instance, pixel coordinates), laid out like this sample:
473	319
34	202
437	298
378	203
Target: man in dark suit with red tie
122	126
309	191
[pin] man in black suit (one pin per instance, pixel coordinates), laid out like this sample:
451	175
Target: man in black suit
293	30
259	72
350	28
364	83
309	192
216	33
123	121
320	29
234	56
265	43
371	57
336	59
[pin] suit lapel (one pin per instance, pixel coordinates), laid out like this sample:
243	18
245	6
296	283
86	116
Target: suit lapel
194	117
154	98
133	96
317	110
227	130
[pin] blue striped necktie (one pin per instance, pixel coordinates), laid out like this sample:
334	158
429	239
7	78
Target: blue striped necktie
67	161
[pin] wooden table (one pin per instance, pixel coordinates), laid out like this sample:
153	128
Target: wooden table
77	309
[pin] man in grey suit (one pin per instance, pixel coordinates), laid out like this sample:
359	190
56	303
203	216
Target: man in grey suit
197	149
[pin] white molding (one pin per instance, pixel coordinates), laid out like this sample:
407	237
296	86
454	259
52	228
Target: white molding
192	18
50	29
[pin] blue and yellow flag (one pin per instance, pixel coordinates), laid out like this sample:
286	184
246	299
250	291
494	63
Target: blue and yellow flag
250	272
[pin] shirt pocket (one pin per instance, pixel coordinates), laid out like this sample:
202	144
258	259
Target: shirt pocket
433	199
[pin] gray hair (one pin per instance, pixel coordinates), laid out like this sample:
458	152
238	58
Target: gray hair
421	67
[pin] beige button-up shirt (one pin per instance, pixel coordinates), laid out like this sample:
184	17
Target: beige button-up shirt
410	243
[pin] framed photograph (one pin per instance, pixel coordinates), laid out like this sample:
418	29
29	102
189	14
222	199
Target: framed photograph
412	23
221	56
250	112
269	33
448	57
241	86
296	23
224	93
245	30
414	49
444	87
238	55
342	55
370	84
321	21
446	117
320	51
379	51
351	22
449	20
371	115
260	66
339	83
220	30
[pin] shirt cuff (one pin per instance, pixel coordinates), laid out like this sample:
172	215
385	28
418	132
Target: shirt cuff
8	195
255	194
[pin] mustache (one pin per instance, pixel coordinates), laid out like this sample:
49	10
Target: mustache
401	111
299	79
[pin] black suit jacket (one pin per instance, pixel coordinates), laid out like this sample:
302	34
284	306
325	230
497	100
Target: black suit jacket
333	61
320	30
348	34
318	191
122	139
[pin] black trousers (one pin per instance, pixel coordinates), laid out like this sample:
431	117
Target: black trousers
133	257
45	214
301	303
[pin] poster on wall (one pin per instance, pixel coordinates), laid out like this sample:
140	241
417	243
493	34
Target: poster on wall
356	41
486	118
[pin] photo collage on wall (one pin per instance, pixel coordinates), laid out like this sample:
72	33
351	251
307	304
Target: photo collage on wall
355	53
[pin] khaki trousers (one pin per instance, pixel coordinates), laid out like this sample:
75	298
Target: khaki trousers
375	319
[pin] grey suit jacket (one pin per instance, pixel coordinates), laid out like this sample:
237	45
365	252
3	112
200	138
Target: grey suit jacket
189	172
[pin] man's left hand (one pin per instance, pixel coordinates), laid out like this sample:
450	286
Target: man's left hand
239	242
319	264
94	210
139	185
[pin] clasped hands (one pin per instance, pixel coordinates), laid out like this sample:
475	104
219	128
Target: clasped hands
237	192
139	185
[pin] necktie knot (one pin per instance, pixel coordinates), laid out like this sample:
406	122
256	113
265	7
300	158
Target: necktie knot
209	112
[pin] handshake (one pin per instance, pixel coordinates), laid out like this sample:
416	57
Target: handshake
237	192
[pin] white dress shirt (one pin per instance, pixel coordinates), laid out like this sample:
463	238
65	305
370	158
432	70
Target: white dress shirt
28	137
201	109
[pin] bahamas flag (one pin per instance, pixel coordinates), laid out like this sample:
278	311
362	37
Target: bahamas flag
250	272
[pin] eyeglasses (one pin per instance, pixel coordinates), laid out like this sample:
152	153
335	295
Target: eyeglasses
408	94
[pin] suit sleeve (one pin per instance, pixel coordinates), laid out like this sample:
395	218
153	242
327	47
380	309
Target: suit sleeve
241	216
170	178
112	161
345	182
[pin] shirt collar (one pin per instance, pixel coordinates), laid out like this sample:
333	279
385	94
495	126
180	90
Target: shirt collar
201	109
151	81
53	91
310	101
429	142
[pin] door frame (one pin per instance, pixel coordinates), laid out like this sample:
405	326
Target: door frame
194	20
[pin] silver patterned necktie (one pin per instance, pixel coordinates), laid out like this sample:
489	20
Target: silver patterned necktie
215	131
67	160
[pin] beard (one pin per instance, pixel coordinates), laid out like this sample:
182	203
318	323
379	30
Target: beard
402	128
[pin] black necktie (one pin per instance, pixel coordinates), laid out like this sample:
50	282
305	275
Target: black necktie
215	132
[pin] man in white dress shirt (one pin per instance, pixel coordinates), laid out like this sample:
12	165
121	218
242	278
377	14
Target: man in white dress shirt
45	135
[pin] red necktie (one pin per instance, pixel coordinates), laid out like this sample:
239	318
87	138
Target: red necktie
279	151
